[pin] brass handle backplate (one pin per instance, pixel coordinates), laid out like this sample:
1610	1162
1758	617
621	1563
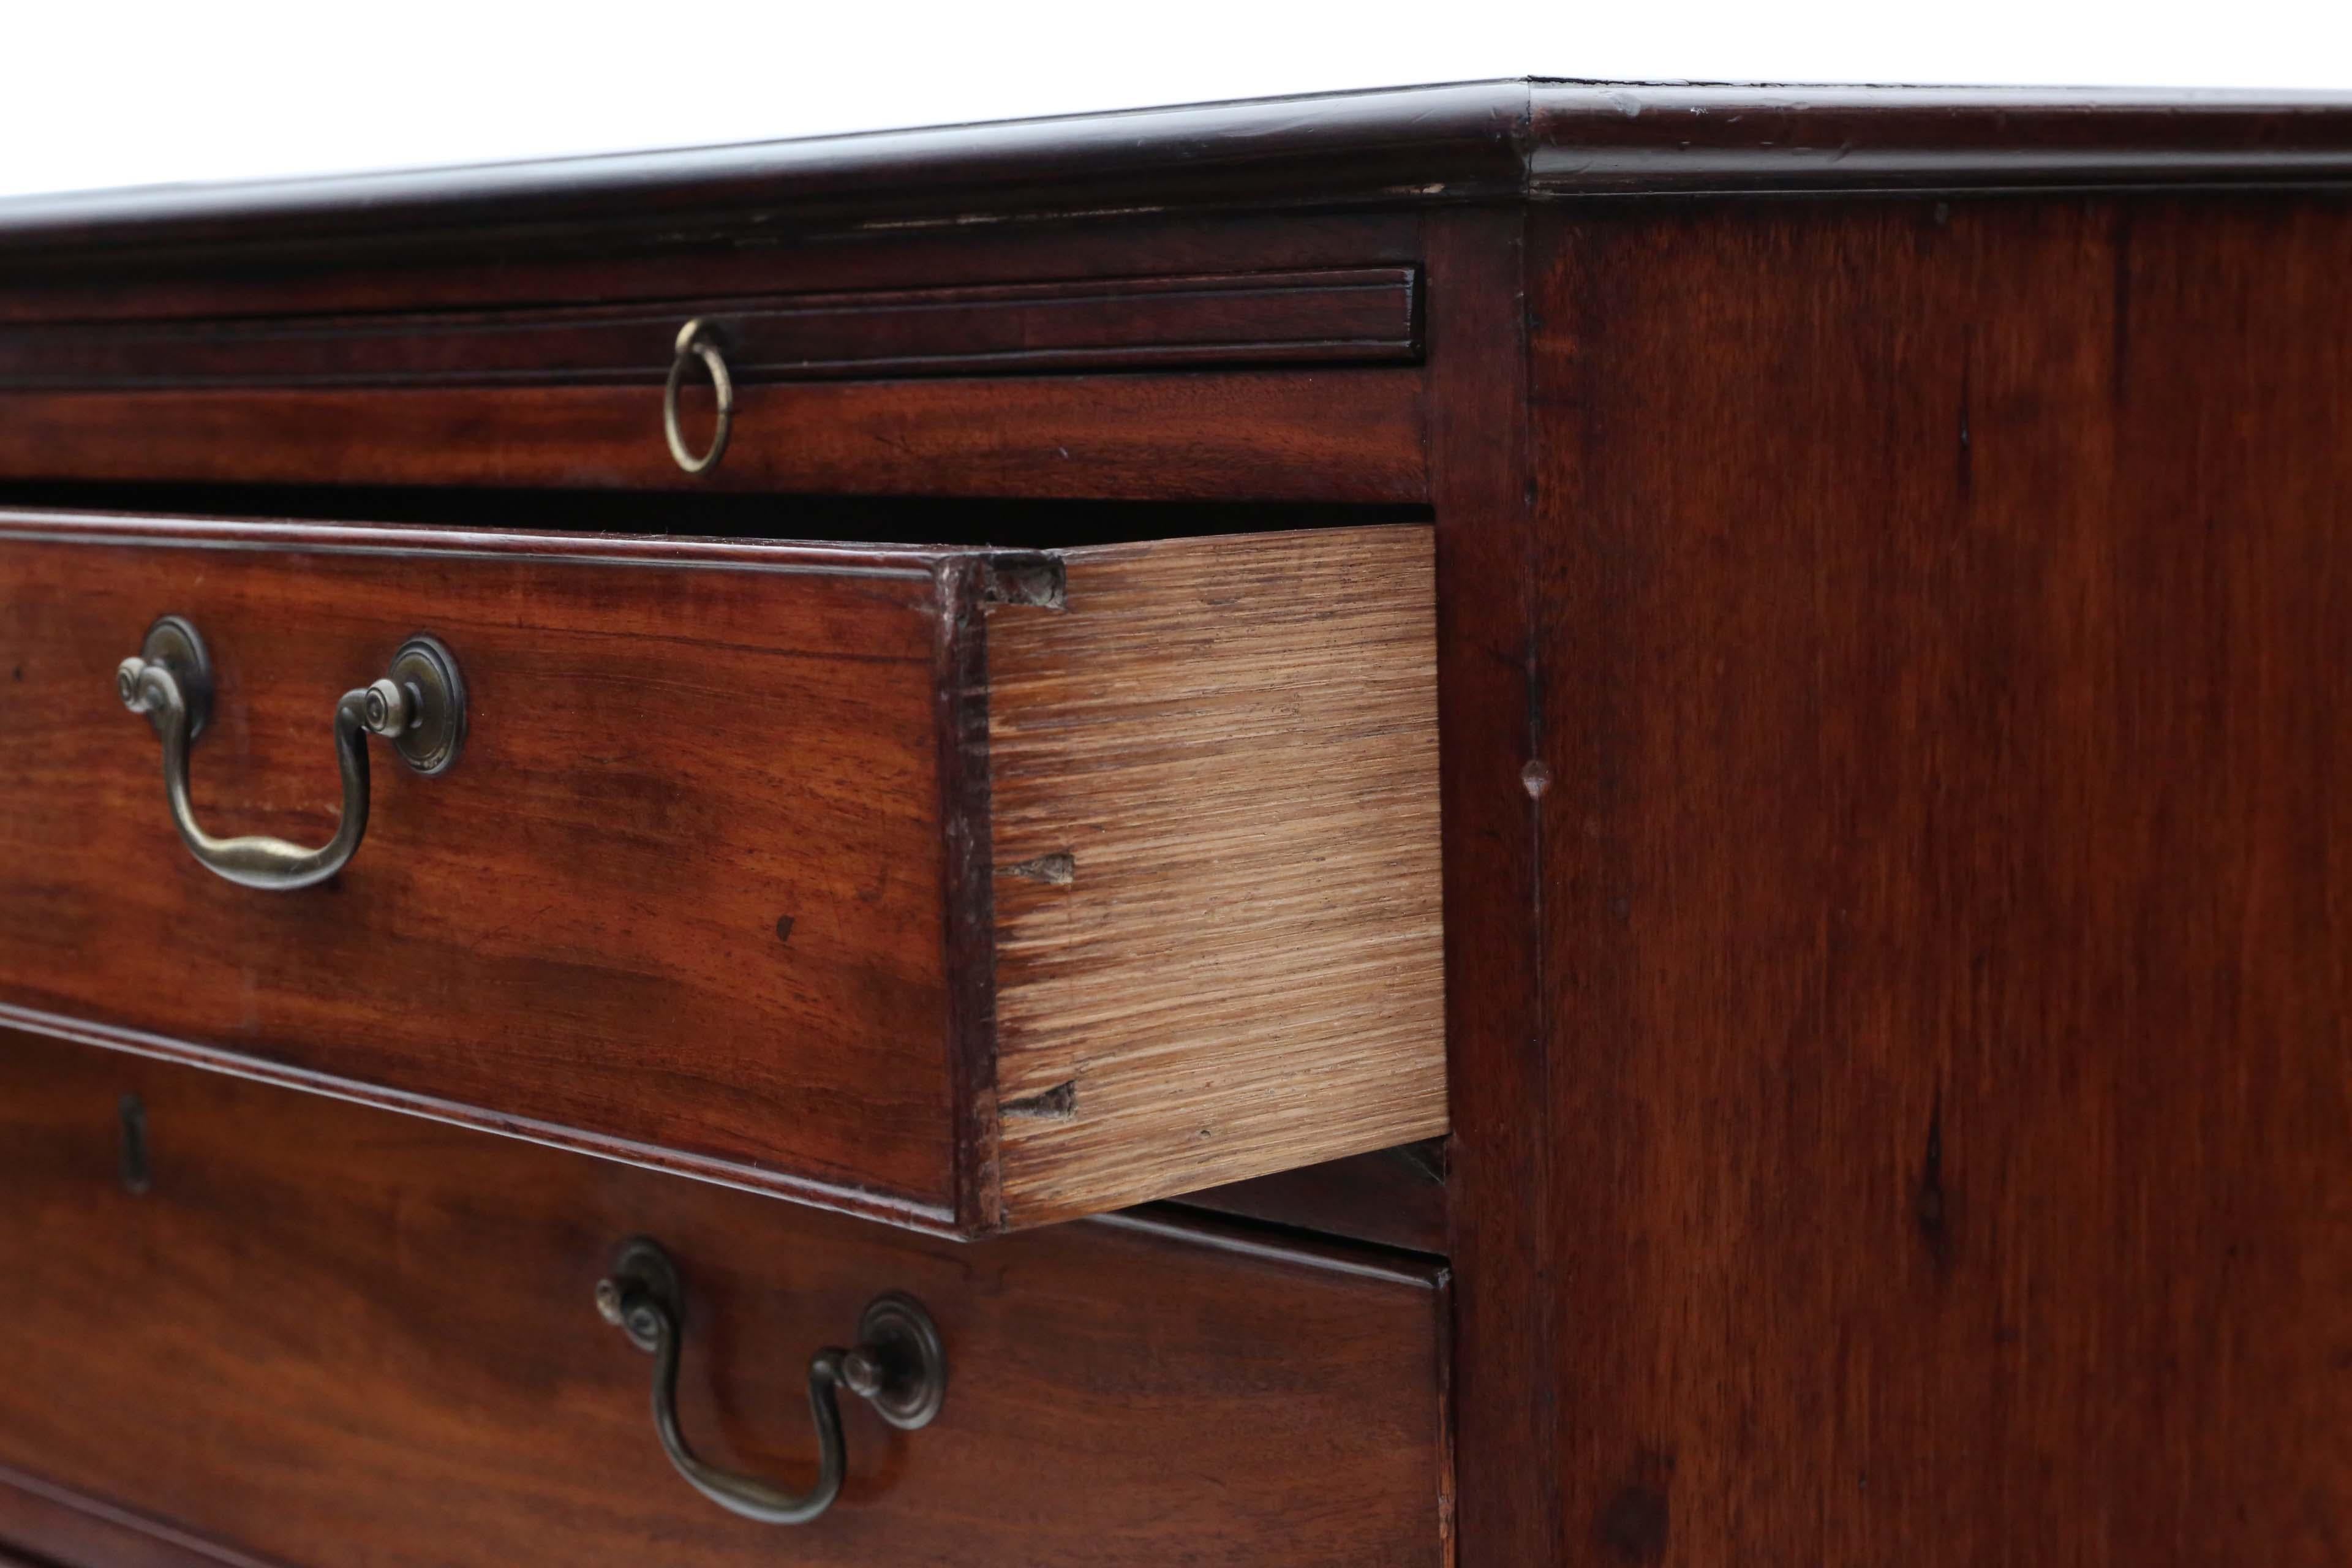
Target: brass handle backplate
898	1366
419	706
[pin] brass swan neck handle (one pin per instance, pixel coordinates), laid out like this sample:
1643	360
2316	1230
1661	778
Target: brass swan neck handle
898	1366
419	706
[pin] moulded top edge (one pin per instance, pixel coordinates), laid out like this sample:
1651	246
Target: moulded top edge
1387	147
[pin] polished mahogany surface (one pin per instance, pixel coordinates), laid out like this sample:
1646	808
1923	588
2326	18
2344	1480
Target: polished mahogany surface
1475	140
682	897
1890	638
326	1333
1157	360
887	877
1944	866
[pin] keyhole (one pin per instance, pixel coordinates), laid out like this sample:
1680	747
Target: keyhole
136	1177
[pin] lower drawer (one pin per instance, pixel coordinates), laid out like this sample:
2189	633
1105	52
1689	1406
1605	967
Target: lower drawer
272	1326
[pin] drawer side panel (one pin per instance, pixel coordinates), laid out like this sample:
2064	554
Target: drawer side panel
1214	807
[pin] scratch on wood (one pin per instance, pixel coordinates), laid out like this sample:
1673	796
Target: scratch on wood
1058	871
1060	1101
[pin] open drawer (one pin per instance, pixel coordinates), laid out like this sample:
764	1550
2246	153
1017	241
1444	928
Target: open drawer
965	888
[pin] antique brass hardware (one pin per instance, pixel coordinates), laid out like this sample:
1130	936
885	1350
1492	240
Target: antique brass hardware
898	1366
419	706
698	339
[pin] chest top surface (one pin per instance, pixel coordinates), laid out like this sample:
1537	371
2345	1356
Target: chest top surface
1520	139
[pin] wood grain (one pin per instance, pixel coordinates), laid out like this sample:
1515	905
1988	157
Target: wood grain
710	888
1333	316
1349	149
1437	146
1513	1312
680	900
1659	138
1394	1197
326	1333
1943	618
1244	435
1101	436
488	275
1214	800
1889	654
67	1529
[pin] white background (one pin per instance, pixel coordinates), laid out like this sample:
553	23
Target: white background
94	93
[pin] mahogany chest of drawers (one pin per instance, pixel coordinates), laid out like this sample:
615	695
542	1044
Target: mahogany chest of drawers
1485	825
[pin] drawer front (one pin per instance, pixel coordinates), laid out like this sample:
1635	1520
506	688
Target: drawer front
322	1333
962	889
681	892
1278	361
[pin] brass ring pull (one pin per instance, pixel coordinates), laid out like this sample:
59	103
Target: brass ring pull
698	339
419	706
898	1366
